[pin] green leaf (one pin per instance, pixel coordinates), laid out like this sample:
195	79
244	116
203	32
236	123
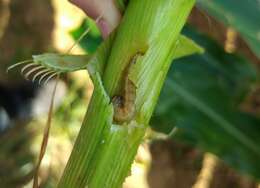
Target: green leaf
201	97
243	15
92	40
186	47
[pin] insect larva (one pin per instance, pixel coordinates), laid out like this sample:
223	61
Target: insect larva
124	106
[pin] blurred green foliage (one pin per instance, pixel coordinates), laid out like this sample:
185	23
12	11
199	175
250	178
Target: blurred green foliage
202	97
70	114
92	40
242	15
16	158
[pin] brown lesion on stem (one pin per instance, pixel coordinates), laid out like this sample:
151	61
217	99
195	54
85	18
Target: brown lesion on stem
124	104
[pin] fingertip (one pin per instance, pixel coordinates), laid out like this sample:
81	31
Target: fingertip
104	28
111	18
107	10
76	2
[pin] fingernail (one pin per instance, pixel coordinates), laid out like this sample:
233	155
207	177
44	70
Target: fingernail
104	28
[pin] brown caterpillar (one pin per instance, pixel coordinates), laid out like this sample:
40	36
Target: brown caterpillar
124	106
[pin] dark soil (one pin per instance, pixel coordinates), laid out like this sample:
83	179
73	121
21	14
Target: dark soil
29	31
178	165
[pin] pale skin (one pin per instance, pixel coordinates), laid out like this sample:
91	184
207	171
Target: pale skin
106	10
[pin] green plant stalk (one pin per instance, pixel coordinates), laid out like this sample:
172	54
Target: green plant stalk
104	151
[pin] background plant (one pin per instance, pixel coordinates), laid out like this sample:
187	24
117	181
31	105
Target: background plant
229	78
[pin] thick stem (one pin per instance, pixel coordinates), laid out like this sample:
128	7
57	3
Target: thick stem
104	151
